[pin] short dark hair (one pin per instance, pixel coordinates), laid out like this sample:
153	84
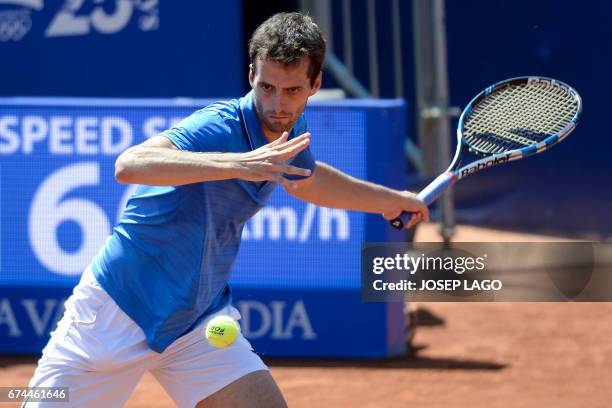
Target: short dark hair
286	38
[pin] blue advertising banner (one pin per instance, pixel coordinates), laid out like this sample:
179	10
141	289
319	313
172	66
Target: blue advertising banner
121	48
297	278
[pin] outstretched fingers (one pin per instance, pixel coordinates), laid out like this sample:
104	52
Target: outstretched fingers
288	143
280	140
290	150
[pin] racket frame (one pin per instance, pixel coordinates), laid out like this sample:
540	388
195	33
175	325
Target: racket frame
453	174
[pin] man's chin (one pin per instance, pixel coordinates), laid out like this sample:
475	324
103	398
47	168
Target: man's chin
278	127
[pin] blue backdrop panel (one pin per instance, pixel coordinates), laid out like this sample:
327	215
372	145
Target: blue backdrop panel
278	322
121	48
297	276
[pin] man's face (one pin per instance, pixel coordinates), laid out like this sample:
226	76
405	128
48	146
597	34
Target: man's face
281	93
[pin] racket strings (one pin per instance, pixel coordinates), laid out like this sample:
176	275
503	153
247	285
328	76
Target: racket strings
517	116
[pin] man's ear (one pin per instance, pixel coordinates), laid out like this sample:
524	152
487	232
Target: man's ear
317	84
251	74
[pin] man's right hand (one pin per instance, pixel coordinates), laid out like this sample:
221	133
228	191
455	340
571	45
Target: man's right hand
269	162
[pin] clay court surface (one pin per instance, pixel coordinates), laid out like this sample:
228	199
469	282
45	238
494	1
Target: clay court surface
468	355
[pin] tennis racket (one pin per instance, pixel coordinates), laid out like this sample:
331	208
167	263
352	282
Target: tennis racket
507	121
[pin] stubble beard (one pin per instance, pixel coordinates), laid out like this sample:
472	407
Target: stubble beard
277	128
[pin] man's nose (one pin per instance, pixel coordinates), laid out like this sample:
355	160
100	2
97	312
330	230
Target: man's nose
278	102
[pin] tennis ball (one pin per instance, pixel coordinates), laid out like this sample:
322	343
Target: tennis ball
221	331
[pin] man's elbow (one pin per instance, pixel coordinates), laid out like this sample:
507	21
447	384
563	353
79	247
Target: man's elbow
123	169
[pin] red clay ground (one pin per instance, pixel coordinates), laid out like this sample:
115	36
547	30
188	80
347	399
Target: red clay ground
482	355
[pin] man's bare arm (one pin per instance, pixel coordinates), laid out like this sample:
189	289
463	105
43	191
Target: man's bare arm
329	187
159	162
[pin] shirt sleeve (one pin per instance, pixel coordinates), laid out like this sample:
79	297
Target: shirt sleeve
305	159
202	131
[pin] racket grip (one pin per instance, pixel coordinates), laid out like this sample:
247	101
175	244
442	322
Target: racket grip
429	194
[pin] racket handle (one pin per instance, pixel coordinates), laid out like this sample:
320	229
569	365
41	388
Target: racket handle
429	194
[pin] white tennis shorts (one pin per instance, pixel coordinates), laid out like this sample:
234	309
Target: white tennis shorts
100	354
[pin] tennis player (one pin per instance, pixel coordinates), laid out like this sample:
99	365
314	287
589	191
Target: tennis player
163	273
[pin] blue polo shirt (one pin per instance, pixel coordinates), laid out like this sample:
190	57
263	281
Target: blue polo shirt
168	261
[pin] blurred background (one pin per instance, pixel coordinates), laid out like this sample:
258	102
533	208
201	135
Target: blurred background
434	55
83	80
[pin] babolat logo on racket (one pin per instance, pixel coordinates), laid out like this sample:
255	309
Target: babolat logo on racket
546	82
541	81
484	164
551	82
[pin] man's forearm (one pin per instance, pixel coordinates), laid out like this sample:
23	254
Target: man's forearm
334	189
158	162
171	167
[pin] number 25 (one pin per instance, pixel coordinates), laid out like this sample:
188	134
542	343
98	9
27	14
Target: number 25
67	23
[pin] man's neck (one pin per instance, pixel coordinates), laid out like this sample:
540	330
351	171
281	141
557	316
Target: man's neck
271	136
